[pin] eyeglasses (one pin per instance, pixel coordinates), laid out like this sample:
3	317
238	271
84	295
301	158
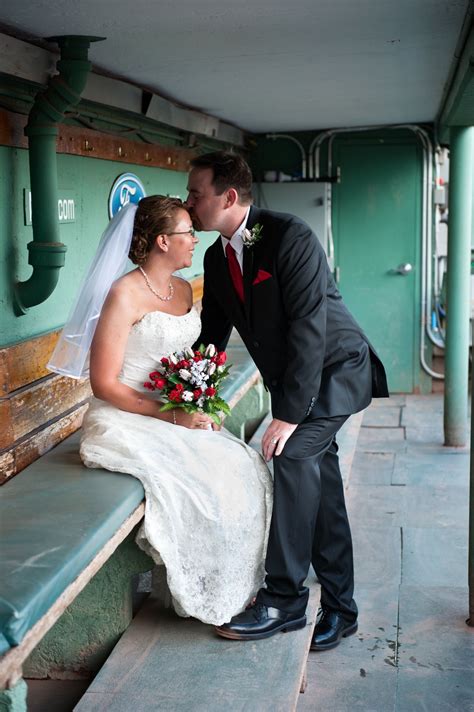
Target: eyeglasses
191	232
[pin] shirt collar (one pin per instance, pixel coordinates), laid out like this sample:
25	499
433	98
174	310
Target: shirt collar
236	239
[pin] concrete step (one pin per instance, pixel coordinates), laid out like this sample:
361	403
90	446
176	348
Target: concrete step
168	664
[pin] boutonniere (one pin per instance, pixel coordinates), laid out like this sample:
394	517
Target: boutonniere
250	237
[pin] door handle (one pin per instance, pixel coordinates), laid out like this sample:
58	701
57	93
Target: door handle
403	269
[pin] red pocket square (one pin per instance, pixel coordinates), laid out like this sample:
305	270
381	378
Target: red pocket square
261	276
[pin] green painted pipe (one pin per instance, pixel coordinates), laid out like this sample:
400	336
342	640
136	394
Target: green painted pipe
46	252
458	286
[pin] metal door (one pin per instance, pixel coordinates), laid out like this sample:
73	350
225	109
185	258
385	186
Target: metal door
376	229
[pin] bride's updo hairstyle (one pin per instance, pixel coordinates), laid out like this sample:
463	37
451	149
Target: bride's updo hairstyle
156	215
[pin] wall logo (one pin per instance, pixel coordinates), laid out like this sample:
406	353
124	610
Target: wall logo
126	189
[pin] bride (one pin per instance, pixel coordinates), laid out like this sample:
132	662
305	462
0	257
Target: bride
208	495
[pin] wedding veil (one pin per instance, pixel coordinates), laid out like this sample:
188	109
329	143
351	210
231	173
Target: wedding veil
71	355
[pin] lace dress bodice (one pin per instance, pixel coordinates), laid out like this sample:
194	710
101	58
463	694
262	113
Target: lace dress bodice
208	496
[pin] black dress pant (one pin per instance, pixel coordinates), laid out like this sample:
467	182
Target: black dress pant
309	523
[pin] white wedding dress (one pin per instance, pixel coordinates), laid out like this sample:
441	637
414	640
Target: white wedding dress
208	495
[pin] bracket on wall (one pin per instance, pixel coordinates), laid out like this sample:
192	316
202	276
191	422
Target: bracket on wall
329	179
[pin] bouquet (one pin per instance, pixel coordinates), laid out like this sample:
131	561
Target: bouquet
191	380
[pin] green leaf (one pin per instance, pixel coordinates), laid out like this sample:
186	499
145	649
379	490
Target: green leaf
168	406
221	404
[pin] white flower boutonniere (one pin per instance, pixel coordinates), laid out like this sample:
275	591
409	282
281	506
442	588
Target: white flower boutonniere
250	237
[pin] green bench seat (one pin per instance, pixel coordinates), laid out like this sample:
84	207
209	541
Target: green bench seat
55	518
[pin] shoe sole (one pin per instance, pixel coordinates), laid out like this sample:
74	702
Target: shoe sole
284	628
328	646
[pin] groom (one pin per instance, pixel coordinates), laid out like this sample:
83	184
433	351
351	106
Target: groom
267	275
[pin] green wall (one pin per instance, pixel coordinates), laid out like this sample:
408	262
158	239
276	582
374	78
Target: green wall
91	180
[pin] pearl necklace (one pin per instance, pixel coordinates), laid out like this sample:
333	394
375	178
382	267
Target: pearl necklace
163	299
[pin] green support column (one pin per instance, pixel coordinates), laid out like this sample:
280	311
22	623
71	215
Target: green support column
470	620
458	286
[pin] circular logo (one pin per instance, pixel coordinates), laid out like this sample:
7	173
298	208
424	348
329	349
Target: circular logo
128	188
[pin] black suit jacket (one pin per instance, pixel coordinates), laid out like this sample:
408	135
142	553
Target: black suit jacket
312	354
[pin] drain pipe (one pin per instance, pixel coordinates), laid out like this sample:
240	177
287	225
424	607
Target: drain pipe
46	252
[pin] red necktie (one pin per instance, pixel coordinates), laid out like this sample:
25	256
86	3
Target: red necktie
235	271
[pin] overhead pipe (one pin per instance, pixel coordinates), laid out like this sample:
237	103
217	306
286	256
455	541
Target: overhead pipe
426	278
46	252
288	137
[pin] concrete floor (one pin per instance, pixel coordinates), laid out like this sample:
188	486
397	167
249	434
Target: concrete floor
407	498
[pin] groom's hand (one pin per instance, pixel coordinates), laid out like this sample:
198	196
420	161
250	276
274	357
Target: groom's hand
275	437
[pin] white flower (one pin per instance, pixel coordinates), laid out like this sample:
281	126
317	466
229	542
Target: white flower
200	401
185	375
173	359
210	351
250	237
188	352
212	368
187	396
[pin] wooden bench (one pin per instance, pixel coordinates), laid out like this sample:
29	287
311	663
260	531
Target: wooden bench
166	663
60	523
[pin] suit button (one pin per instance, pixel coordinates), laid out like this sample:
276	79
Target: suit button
256	343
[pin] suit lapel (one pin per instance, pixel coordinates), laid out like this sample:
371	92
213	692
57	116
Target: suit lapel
248	261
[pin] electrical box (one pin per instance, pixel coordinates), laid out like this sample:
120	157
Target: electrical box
306	200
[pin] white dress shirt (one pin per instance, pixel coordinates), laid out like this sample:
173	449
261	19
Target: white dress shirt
237	242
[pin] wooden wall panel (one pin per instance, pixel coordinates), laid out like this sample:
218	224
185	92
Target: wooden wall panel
31	448
32	408
80	141
197	284
24	363
6	430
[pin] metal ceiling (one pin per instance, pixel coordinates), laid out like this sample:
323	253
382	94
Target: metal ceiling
268	65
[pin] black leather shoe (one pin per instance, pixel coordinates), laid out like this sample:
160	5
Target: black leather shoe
260	621
330	628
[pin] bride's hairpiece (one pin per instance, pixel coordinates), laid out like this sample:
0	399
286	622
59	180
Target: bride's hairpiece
71	355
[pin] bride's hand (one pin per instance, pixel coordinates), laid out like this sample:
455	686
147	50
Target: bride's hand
195	421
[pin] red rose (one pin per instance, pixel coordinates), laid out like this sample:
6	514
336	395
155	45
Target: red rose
179	387
221	358
175	396
149	385
210	391
197	356
155	375
197	393
160	383
165	361
183	364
